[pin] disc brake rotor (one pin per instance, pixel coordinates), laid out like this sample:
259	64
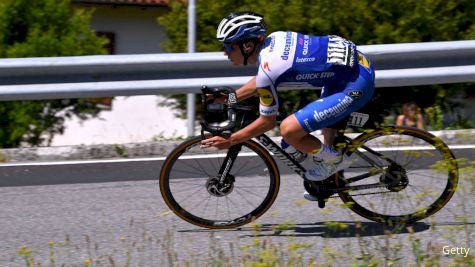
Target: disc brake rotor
218	189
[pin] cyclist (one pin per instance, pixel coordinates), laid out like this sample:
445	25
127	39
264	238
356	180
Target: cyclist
293	59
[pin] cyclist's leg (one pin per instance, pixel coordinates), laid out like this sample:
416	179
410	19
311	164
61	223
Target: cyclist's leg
332	107
329	134
330	110
294	134
298	136
320	114
296	130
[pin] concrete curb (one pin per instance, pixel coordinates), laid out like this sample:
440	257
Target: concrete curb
133	150
155	149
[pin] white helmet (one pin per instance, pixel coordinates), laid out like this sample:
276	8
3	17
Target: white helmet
241	26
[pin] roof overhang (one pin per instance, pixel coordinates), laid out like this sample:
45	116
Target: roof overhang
143	3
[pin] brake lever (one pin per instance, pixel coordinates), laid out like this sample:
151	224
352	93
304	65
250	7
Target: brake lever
231	110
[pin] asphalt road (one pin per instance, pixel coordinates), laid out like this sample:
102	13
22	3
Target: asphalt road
95	171
113	214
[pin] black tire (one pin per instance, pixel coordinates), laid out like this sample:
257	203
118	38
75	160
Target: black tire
432	167
255	184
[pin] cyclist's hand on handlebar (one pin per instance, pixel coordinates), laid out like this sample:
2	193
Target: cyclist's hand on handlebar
222	99
217	141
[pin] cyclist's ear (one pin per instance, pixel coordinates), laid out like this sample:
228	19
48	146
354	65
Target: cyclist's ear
248	46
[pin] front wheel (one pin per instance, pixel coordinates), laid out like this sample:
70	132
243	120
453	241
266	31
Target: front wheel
414	172
193	189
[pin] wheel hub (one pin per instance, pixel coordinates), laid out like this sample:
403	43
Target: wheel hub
218	189
395	178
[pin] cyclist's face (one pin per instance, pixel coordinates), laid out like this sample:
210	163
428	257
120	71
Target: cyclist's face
233	53
228	47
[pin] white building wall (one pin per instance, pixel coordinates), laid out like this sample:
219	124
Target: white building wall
132	119
136	29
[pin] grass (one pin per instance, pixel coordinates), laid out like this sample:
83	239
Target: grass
277	245
121	151
161	137
256	251
273	245
3	158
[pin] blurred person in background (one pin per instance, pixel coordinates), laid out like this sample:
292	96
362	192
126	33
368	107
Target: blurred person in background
411	116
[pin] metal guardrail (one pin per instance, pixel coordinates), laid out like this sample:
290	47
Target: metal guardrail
97	76
384	78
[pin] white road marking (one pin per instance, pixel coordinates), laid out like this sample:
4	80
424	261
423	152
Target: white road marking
219	155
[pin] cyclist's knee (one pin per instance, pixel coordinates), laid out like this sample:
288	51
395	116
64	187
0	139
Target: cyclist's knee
290	129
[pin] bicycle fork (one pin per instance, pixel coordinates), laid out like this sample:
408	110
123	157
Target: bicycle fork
228	162
223	183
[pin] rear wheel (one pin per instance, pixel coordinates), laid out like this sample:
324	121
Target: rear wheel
418	179
192	189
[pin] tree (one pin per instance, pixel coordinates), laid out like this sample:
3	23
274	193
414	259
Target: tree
363	22
44	28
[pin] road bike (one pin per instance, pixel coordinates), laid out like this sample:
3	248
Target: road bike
398	175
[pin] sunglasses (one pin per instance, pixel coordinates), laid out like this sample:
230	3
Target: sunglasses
228	47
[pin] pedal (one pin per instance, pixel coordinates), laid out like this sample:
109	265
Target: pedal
316	189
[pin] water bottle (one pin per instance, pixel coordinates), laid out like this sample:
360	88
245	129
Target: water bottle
294	153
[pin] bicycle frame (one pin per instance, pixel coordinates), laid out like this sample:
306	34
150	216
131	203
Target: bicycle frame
373	164
355	119
284	157
281	154
270	146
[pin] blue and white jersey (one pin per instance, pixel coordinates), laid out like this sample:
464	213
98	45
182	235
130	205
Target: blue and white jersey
290	59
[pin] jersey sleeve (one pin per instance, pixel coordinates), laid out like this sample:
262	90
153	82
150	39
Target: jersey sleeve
268	101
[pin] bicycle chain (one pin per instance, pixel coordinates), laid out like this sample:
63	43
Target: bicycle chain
375	193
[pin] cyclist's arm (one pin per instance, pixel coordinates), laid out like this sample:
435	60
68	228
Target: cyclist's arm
247	90
265	122
259	126
243	92
261	84
256	128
